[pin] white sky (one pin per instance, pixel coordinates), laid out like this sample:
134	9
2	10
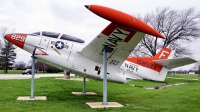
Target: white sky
72	18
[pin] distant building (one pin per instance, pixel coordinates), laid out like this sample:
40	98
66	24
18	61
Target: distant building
191	72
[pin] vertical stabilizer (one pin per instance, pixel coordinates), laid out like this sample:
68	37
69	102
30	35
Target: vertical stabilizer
164	53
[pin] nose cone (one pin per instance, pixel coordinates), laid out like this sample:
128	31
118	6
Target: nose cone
87	6
16	39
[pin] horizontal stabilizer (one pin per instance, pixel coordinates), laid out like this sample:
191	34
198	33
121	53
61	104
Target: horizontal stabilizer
173	63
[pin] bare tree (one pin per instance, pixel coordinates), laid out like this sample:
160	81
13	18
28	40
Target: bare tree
197	67
21	65
1	46
179	28
7	53
40	66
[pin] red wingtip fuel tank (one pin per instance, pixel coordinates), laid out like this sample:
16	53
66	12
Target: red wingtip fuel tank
123	19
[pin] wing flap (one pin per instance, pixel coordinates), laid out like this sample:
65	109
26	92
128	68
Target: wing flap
173	63
120	40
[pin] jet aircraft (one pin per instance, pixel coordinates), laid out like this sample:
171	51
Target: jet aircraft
120	37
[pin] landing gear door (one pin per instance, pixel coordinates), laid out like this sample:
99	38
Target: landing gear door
44	42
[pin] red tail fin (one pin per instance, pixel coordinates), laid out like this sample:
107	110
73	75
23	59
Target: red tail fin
163	54
159	72
147	61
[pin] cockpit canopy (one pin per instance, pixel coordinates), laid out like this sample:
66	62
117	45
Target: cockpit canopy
56	35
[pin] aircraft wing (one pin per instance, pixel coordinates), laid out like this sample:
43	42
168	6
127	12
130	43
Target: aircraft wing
118	39
173	63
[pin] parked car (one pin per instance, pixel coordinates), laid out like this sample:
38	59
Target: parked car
28	72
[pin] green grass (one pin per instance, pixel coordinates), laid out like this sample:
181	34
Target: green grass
12	71
59	98
191	76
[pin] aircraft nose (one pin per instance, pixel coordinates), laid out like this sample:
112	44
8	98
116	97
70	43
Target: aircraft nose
16	39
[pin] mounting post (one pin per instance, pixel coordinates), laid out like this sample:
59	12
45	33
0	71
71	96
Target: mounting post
32	79
105	77
84	85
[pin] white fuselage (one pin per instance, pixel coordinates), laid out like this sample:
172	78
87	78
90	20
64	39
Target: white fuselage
68	58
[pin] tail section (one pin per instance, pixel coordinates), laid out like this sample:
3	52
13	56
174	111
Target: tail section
163	54
156	68
151	70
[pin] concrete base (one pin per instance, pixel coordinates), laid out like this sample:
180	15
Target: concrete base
35	98
100	105
73	79
87	93
66	77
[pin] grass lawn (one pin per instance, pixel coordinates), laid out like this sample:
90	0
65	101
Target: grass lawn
12	71
187	76
184	98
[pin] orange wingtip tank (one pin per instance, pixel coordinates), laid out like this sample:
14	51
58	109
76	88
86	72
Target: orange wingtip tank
123	19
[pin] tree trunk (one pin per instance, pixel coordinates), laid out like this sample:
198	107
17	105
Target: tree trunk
6	69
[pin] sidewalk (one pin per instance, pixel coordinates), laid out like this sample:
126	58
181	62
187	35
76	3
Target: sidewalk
20	76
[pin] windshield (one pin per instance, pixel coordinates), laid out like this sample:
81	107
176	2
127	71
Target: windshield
71	38
35	33
56	35
50	34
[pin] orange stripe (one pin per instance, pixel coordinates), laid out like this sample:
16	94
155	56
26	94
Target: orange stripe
146	62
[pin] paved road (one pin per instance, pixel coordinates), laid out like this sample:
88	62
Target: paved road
181	78
20	76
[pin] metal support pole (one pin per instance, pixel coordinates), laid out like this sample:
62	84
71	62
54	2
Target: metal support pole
84	85
105	78
32	80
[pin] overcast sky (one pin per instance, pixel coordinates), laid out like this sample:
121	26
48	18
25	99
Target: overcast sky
72	18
